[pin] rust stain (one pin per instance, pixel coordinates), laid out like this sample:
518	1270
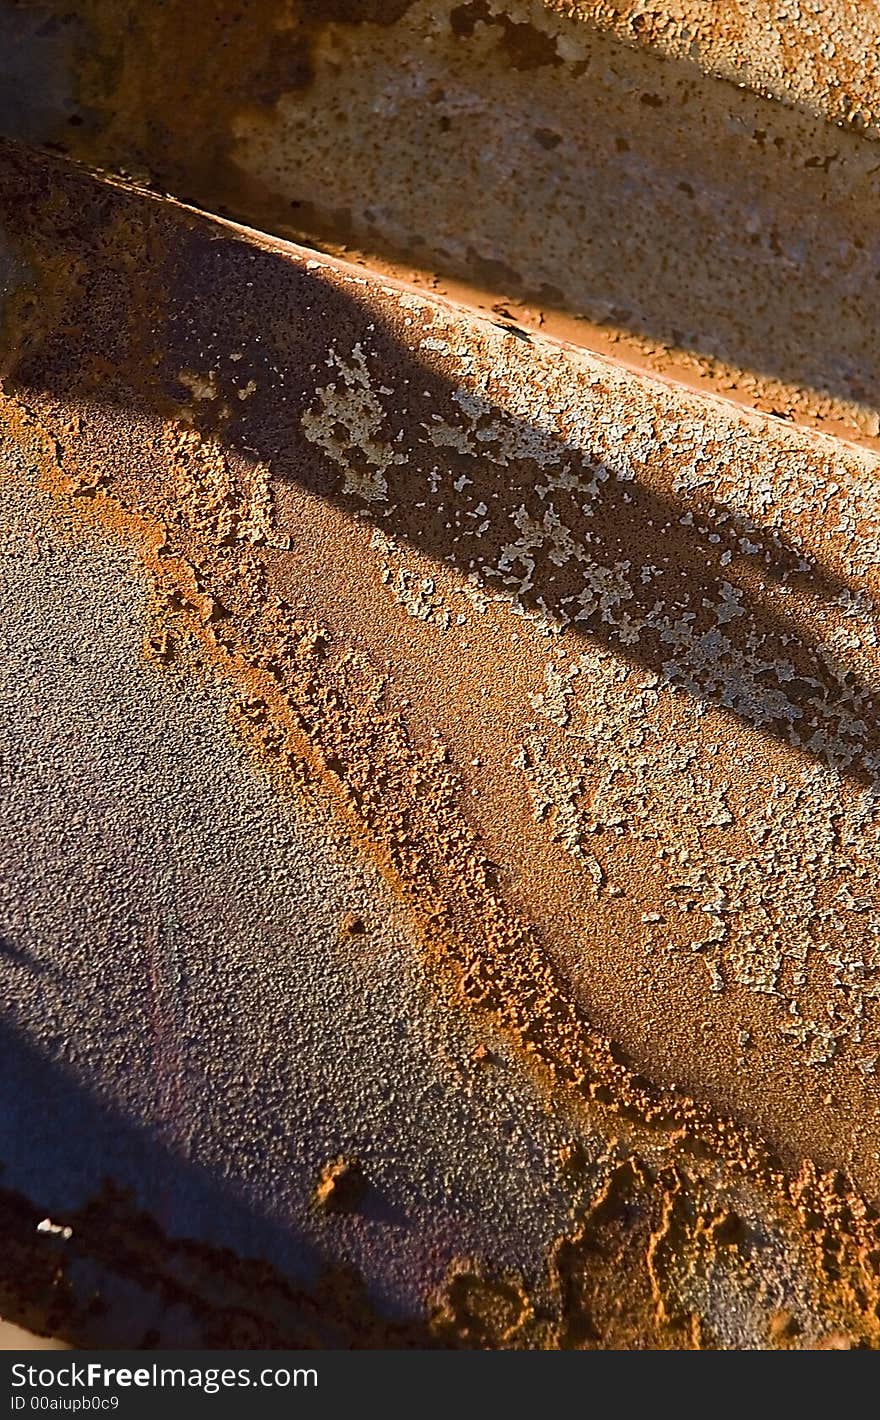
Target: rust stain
707	273
685	1192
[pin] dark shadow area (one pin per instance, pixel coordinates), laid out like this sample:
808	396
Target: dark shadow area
689	591
230	1278
26	961
622	186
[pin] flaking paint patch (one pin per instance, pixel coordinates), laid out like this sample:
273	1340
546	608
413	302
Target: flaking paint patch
410	589
744	909
321	710
346	425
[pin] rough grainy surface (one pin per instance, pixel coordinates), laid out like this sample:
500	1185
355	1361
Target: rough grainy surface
193	1014
463	695
820	54
588	167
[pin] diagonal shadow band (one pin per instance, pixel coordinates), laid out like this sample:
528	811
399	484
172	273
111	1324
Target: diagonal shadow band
540	158
731	558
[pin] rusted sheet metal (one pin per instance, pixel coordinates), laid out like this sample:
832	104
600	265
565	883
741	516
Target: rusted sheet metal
400	709
590	163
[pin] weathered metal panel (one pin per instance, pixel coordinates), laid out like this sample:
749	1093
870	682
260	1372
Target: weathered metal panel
397	707
440	763
690	188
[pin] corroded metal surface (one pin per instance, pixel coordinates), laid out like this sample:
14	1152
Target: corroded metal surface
400	709
592	162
